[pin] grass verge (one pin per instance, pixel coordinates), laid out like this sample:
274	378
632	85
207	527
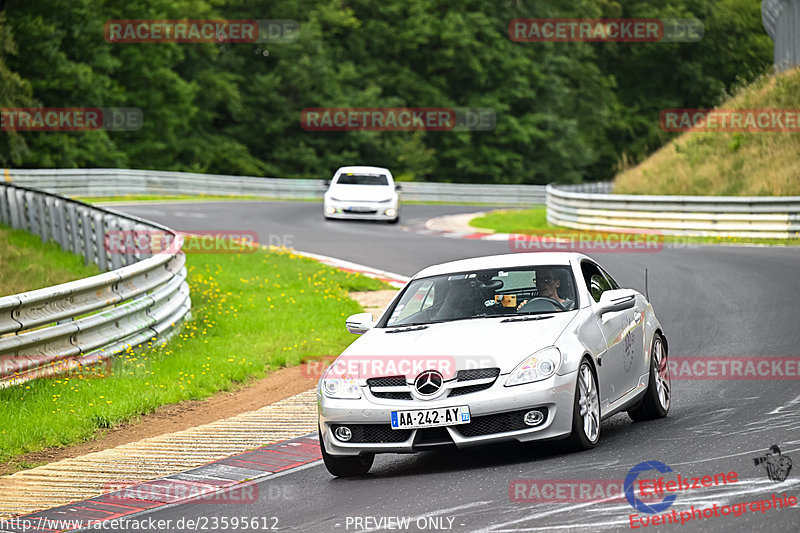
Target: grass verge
26	263
728	164
513	220
251	313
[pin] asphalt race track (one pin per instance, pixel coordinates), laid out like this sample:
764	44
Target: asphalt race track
712	301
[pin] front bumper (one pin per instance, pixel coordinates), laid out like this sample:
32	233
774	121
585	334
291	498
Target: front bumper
361	210
495	417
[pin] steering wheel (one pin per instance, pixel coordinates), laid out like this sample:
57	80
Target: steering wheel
556	303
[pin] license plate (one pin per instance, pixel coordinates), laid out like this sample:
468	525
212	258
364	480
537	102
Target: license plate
430	418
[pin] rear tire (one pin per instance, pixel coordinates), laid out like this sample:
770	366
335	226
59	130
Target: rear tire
585	411
658	396
348	466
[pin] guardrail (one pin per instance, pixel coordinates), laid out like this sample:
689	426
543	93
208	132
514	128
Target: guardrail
591	206
55	329
121	182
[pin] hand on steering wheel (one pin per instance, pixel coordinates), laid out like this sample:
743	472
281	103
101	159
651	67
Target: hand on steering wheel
550	300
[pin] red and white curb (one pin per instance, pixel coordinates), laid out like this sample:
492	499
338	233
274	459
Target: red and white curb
457	227
231	479
476	236
393	279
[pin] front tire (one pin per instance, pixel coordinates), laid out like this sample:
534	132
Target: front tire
585	411
349	466
658	396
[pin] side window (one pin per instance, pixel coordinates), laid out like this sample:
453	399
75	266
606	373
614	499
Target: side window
429	298
420	300
595	281
611	281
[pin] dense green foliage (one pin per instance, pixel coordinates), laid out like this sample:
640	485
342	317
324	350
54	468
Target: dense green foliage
565	111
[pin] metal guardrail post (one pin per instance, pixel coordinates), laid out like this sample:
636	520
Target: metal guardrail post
72	220
86	231
99	240
109	225
5	215
12	207
781	19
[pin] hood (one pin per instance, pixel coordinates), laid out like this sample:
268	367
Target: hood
363	193
474	343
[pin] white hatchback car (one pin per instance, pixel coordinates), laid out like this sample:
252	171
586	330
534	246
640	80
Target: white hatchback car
366	193
518	347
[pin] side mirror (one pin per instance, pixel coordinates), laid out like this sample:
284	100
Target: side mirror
617	300
359	323
397	187
327	183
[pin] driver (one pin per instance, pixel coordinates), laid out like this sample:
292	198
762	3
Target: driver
547	284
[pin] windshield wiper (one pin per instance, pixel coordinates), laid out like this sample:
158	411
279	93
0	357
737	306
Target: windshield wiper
525	318
403	330
405	327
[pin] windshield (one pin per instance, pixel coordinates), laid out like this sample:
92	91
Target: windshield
484	294
362	179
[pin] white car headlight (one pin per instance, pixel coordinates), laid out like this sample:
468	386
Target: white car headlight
337	384
537	367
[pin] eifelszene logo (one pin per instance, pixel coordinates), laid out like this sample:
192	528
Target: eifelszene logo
630	494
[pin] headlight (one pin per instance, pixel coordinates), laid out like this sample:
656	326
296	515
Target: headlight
537	367
335	383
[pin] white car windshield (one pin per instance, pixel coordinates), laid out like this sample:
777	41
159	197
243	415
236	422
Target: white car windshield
362	179
486	293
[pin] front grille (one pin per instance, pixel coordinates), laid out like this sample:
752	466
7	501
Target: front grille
467	390
375	433
393	395
473	374
393	381
477	373
499	423
461	377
